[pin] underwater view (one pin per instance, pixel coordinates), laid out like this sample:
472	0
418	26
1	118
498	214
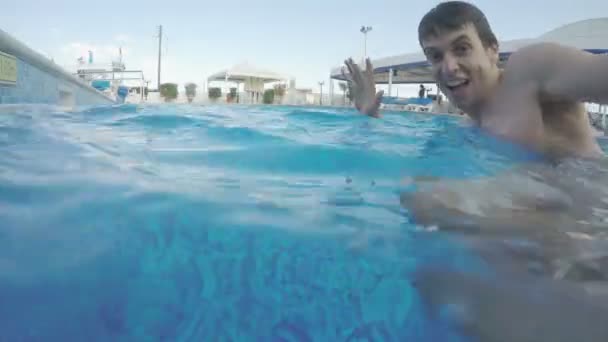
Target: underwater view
292	223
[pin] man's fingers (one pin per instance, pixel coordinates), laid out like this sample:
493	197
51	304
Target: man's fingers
355	71
349	79
346	77
369	69
379	96
349	66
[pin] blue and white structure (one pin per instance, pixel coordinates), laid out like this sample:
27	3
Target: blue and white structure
112	79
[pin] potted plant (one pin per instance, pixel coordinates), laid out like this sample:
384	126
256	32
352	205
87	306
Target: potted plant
232	96
268	96
349	92
214	93
279	91
168	91
343	87
190	91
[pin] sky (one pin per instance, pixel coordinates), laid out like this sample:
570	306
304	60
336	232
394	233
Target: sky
302	39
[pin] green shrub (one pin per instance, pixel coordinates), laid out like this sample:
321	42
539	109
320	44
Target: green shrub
268	96
279	89
190	91
215	93
168	91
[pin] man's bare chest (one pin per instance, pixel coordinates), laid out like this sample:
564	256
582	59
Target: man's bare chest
547	126
515	118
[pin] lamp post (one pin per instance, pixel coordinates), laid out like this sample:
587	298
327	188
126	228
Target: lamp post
160	42
365	30
321	96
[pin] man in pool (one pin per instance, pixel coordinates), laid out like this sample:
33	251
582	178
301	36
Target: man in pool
535	101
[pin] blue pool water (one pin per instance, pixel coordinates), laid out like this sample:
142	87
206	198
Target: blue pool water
187	223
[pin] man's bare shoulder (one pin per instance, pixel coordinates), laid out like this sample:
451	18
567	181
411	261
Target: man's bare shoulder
550	66
532	62
541	52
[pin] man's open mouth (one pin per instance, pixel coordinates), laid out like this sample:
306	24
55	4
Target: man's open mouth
454	85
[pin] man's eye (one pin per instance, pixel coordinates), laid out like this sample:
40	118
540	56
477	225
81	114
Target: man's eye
461	50
434	57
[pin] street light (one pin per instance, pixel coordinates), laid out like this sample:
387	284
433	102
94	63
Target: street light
365	30
321	97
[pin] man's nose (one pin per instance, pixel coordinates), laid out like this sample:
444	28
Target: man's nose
449	66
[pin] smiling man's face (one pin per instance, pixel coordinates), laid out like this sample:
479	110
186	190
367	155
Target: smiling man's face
463	67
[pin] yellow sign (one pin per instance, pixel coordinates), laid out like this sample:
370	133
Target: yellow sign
8	69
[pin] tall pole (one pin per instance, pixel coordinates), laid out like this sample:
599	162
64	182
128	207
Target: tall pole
321	96
390	81
364	45
160	42
365	30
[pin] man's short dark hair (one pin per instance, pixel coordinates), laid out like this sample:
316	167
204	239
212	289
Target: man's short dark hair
453	15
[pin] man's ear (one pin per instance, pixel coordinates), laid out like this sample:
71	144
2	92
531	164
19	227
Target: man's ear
492	52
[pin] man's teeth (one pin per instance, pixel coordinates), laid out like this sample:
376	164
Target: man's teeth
455	83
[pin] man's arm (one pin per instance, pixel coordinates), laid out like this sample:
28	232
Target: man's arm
561	71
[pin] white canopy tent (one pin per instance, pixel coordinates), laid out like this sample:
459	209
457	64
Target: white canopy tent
252	77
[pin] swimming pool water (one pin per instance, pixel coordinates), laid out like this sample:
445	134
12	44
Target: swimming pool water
223	223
